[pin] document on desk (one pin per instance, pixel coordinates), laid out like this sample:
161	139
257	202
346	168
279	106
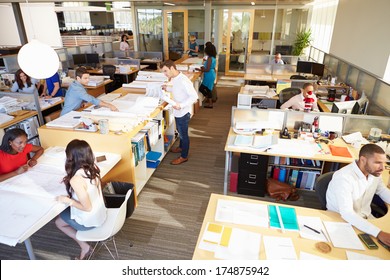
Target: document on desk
279	248
295	148
230	243
241	213
109	97
19	213
343	235
357	256
282	217
311	228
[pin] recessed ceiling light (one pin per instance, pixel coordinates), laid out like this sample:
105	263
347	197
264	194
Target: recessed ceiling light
253	3
169	4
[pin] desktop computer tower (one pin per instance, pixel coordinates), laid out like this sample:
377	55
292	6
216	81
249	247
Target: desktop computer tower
252	174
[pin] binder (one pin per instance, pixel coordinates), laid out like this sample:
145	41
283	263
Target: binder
288	216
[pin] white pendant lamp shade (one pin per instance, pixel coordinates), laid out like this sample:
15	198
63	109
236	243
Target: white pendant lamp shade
38	60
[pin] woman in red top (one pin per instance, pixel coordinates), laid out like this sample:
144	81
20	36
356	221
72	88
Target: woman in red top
14	154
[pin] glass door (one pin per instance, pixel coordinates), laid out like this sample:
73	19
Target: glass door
238	40
176	34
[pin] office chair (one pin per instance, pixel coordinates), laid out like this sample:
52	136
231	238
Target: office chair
241	61
286	93
378	207
297	77
101	235
321	186
109	70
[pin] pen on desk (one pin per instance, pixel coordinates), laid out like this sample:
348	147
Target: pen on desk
316	231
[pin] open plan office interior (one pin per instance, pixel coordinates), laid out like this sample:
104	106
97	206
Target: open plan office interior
180	211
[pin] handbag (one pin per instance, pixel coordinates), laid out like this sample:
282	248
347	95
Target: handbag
281	191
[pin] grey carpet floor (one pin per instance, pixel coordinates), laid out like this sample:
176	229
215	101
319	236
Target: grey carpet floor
171	206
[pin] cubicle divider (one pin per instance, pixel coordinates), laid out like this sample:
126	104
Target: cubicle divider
292	120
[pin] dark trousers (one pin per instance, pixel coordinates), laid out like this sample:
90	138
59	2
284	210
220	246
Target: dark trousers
182	128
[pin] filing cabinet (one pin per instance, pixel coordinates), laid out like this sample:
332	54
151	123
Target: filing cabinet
252	174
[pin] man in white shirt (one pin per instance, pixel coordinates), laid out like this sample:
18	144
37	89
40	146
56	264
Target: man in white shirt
184	94
306	101
277	59
352	188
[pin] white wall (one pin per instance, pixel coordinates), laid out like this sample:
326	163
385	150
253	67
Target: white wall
361	34
322	21
43	24
9	35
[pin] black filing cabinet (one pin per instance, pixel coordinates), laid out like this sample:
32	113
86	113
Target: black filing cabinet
252	174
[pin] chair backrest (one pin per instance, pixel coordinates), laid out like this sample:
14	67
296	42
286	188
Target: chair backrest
241	58
109	70
121	215
286	93
321	186
297	77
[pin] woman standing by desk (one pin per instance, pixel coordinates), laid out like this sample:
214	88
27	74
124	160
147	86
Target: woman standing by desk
82	181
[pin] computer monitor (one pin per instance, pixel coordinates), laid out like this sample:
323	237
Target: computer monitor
92	58
317	69
79	59
304	66
346	107
2	62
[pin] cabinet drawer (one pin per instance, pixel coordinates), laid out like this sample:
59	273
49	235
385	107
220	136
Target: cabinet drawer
251	181
253	162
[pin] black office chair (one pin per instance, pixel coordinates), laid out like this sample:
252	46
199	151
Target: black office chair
378	207
321	186
286	93
109	70
297	77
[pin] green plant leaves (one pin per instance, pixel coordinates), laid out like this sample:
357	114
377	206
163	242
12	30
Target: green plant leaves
301	42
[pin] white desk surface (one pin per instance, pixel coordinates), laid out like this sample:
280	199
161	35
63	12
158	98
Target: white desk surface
27	201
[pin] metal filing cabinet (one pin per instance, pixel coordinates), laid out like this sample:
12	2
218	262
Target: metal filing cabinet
252	174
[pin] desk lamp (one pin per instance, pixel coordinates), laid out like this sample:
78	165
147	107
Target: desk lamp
36	59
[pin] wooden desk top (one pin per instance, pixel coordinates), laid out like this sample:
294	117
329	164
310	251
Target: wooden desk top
300	244
105	82
322	105
327	156
265	78
18	117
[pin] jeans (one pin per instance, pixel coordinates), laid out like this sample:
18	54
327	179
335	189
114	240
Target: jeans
65	215
182	128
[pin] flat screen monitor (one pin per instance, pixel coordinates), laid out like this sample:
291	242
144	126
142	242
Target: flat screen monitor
2	62
79	59
92	58
304	66
317	69
346	107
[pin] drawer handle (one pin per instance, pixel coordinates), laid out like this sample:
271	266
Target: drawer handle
251	182
252	176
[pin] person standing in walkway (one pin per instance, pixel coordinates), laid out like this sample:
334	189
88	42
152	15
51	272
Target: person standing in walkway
184	95
209	75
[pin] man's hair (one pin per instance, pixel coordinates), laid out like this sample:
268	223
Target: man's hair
370	149
168	64
81	71
305	85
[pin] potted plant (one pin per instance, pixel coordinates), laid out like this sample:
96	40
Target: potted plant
301	42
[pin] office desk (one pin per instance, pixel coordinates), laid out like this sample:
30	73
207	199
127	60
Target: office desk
230	148
95	91
300	244
27	201
129	75
324	105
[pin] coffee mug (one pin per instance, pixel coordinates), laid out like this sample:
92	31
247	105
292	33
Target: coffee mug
332	135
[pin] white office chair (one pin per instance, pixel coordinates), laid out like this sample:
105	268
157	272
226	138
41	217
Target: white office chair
101	235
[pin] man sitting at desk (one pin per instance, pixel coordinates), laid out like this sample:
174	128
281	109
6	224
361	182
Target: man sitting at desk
352	188
277	59
76	94
306	101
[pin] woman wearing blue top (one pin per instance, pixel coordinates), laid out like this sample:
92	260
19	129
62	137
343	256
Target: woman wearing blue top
23	83
194	48
77	95
209	75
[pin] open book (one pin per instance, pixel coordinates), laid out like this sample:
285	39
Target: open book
256	141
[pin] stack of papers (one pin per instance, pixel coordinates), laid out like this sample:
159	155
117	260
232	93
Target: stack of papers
343	235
